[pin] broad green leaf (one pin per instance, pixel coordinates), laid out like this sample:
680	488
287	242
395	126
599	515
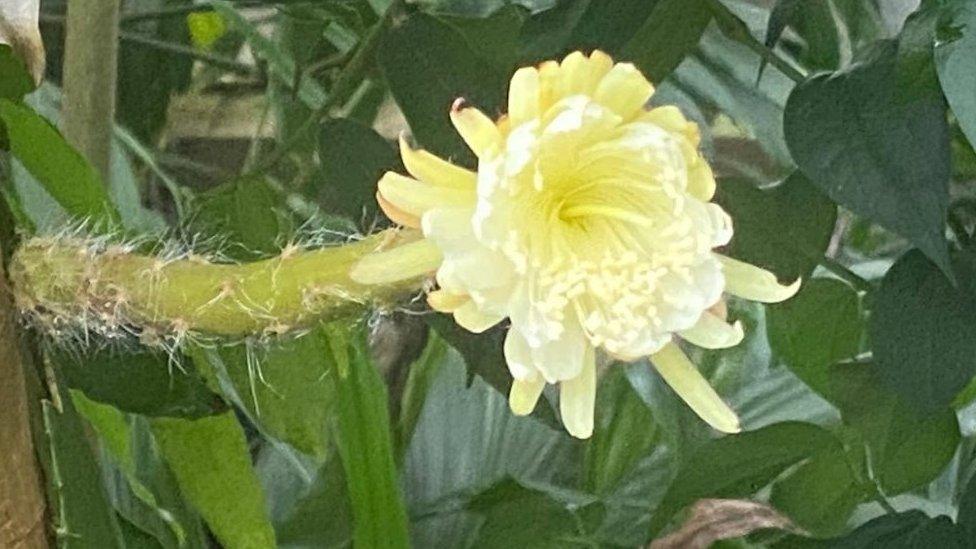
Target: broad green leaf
445	465
212	465
138	381
818	327
249	214
546	34
671	30
82	514
906	449
955	60
821	494
785	229
60	169
908	530
624	432
15	81
878	145
923	331
967	508
365	443
740	465
414	56
516	516
287	387
352	157
420	379
496	38
482	352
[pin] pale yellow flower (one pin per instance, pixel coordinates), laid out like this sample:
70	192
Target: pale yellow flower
589	224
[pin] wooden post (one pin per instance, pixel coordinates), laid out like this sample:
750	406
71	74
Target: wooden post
90	59
23	519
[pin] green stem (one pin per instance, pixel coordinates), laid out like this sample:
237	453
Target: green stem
846	274
225	63
735	29
68	282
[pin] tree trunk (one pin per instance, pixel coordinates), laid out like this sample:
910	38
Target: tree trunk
23	519
90	60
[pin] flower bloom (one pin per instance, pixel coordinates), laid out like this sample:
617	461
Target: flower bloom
589	224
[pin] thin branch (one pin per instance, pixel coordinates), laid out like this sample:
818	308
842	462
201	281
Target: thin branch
846	274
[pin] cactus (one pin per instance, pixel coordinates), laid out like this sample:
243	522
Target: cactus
97	285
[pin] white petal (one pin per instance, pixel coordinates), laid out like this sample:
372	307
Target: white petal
562	358
524	395
473	320
674	366
711	332
577	397
518	356
751	282
401	263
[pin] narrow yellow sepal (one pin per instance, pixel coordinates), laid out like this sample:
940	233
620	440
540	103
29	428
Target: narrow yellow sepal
755	284
711	332
678	371
433	170
401	263
477	130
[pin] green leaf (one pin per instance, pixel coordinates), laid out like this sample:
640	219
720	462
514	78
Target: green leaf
516	516
365	443
624	432
482	352
818	327
415	56
58	167
249	214
212	465
287	387
955	60
352	157
446	465
83	516
739	465
908	530
906	449
821	494
923	331
670	32
280	64
967	508
785	229
877	144
138	381
15	81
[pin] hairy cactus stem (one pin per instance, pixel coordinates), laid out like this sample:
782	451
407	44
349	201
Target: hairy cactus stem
71	282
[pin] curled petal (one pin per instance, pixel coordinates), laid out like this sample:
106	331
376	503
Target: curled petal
397	215
674	366
477	130
414	198
473	320
446	302
401	263
434	170
755	284
711	332
524	395
577	397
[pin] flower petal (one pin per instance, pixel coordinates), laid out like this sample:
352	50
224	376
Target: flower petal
473	320
434	170
624	90
401	263
711	332
477	130
562	358
674	366
414	198
523	96
397	215
577	397
755	284
524	395
518	356
446	302
581	74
